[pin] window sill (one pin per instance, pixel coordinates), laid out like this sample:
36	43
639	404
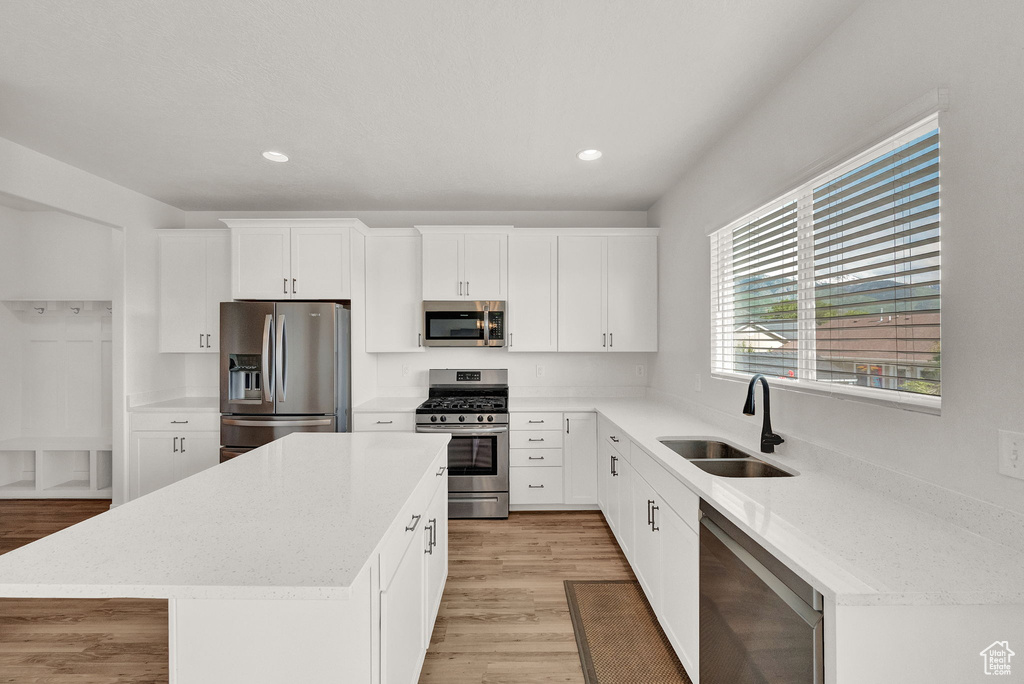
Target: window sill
901	400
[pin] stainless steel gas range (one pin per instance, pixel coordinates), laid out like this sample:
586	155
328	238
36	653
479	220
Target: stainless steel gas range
472	405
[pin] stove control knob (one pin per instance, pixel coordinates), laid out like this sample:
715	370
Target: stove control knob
444	419
480	419
462	419
490	419
433	419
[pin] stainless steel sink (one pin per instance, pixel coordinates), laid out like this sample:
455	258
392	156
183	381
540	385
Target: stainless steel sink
747	467
692	449
721	459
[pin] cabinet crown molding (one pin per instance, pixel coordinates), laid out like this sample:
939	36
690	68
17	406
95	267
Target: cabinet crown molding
464	229
355	224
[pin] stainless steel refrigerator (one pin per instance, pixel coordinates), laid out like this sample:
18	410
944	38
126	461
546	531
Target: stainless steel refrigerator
284	367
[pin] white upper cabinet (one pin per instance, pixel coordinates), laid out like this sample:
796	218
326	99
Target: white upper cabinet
608	293
581	294
393	302
633	294
260	263
291	259
320	263
194	279
466	263
532	293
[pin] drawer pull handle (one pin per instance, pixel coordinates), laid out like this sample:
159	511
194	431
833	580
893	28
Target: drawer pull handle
385	422
536	458
440	471
536	486
536	421
415	522
654	524
613	438
538	439
179	422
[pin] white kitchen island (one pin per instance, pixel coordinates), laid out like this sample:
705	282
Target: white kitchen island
317	558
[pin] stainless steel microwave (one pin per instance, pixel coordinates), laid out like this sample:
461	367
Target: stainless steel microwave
464	324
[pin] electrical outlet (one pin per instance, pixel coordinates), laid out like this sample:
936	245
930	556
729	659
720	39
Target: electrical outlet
1011	453
540	371
640	370
696	382
405	369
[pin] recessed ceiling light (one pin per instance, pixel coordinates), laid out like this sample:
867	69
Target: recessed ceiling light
275	156
589	155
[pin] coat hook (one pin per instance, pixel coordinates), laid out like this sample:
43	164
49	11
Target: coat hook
75	309
39	310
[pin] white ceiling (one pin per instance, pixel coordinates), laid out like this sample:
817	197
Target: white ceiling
400	104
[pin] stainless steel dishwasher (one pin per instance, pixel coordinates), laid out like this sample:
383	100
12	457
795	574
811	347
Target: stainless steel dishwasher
759	622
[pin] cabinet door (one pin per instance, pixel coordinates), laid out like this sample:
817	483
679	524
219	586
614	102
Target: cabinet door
152	462
646	560
197	451
437	555
614	464
680	593
183	318
625	506
532	293
633	294
218	285
484	269
603	477
260	263
581	294
394	307
580	458
442	275
320	264
402	645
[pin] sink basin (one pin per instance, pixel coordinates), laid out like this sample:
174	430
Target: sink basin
693	449
747	467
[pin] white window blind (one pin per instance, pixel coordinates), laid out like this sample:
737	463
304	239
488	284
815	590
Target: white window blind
836	286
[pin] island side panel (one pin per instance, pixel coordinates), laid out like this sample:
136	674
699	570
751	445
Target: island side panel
273	641
922	644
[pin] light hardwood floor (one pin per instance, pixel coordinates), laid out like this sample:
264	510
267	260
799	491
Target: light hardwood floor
92	641
503	618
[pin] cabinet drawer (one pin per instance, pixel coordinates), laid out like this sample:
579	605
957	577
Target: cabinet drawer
378	422
535	421
535	439
678	496
610	433
534	457
398	538
177	422
535	485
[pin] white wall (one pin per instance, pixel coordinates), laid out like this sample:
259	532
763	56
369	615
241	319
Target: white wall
885	56
29	177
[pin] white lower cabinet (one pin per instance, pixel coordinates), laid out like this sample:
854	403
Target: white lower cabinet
579	466
655	519
398	421
413	571
169	447
536	457
535	485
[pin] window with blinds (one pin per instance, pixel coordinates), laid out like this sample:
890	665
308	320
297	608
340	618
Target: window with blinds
836	286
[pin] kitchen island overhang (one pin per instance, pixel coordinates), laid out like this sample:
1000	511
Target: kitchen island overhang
275	564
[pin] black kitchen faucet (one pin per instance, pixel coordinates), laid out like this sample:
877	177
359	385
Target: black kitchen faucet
768	438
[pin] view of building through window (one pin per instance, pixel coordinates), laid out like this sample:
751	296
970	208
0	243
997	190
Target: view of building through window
839	282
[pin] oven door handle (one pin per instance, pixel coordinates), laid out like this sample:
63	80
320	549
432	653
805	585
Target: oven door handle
464	431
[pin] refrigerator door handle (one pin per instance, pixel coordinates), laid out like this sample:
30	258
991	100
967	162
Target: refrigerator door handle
281	359
268	381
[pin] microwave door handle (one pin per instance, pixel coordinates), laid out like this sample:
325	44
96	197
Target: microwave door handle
281	360
487	325
268	381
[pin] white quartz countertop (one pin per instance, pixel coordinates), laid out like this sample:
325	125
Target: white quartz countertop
211	404
297	519
389	404
856	544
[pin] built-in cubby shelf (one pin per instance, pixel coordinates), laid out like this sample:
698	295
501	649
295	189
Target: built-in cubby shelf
55	468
